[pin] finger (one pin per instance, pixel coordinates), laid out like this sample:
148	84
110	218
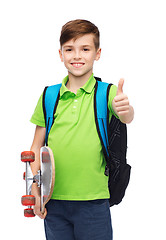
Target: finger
42	216
123	108
38	213
124	102
123	113
120	97
45	213
120	87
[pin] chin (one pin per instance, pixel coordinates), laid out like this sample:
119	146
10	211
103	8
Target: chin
80	74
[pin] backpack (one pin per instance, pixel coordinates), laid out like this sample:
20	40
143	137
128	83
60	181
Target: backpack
113	136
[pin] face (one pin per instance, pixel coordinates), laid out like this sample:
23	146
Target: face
79	55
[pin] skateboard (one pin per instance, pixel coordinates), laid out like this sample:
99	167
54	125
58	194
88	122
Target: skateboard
44	178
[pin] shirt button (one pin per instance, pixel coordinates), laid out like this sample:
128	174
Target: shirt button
75	100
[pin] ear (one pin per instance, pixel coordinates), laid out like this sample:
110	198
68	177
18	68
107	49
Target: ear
98	54
60	54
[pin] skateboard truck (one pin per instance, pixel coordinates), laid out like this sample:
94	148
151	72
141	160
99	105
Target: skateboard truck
37	178
44	178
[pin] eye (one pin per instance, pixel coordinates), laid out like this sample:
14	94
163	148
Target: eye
68	50
86	49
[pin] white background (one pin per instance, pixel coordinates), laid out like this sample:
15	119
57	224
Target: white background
133	45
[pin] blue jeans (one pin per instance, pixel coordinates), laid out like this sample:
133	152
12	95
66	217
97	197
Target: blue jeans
78	220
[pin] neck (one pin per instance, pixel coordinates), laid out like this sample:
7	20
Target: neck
74	82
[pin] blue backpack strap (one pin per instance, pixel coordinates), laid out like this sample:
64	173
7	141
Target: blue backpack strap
50	101
102	114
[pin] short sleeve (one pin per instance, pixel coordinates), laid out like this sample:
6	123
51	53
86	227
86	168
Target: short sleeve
38	115
112	94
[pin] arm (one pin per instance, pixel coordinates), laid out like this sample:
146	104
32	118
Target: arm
121	105
38	142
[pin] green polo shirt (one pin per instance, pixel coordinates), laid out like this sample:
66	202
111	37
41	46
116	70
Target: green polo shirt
79	160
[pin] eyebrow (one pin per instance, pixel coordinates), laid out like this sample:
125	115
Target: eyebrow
86	45
70	46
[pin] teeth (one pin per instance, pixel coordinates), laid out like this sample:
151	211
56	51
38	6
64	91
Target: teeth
77	64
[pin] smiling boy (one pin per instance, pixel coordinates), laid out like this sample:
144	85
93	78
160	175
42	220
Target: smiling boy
79	207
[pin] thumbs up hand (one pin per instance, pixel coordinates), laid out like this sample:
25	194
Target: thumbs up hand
121	104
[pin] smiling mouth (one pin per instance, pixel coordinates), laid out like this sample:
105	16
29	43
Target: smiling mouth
77	65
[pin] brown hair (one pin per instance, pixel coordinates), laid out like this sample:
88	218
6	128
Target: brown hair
77	28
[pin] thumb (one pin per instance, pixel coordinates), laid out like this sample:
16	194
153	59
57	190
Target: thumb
120	86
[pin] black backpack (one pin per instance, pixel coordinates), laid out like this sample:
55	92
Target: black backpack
113	136
119	170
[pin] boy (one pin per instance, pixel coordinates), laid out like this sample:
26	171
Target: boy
79	208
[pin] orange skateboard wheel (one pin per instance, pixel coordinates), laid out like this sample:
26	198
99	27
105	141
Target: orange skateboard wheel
29	212
27	156
28	200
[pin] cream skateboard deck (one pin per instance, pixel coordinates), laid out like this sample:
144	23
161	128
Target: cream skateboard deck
45	179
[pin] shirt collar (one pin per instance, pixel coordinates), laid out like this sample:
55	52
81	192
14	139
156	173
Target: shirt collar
88	86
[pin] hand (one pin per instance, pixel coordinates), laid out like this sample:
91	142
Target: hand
121	103
37	209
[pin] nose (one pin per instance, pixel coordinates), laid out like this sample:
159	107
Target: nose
77	55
